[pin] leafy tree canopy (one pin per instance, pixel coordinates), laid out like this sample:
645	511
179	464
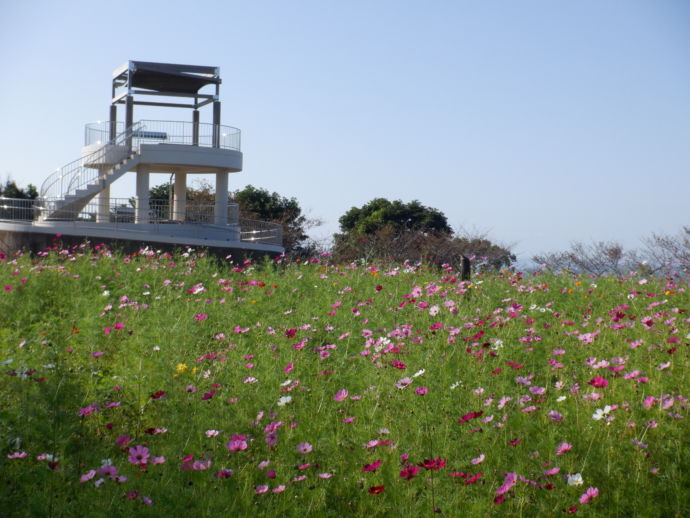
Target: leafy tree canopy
10	190
380	213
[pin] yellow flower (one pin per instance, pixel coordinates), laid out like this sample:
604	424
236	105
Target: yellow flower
181	367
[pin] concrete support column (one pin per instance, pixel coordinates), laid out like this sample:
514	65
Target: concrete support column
103	210
142	201
103	205
180	201
221	206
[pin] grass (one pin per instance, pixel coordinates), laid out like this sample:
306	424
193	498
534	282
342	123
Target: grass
309	389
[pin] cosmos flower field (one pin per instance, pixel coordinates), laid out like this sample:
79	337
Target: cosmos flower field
182	385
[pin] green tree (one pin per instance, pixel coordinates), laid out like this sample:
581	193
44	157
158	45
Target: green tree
11	190
397	231
399	216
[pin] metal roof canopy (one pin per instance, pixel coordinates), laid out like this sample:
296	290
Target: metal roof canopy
163	80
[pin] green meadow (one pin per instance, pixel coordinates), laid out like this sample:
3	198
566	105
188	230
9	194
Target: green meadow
183	385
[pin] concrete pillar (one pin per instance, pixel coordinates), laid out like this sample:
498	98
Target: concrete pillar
180	201
103	204
221	206
142	201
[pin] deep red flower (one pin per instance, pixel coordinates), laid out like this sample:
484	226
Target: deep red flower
470	416
409	472
473	478
433	464
158	395
373	466
375	490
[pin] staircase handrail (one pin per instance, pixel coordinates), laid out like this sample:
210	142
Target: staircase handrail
70	177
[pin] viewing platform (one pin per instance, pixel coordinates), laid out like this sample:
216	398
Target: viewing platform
75	200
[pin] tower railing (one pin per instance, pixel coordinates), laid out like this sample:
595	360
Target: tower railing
169	132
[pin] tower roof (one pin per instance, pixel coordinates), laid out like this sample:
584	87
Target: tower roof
167	77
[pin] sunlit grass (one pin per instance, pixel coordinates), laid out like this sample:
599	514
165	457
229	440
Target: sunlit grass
177	385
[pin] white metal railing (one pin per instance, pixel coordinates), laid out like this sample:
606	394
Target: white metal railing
18	209
83	171
168	132
258	231
123	211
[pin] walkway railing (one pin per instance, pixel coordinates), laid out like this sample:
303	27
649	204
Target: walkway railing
122	211
258	231
168	132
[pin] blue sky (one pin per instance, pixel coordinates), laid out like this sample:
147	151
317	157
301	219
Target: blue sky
538	122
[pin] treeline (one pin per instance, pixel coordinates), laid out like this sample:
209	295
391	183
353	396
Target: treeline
385	230
379	230
11	190
660	253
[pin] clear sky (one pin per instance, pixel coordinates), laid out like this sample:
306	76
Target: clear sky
540	122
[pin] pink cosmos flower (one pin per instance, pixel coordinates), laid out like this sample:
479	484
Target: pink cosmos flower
17	455
599	382
551	471
304	448
556	416
508	482
590	494
237	443
563	448
224	473
87	476
260	489
479	459
200	316
123	440
421	391
403	383
341	395
138	455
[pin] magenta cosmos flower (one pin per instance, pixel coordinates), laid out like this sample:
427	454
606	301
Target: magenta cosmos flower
138	455
599	382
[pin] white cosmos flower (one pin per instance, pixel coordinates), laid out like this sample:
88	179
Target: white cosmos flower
575	480
284	400
600	413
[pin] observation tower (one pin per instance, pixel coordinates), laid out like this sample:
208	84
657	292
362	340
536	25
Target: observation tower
75	200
